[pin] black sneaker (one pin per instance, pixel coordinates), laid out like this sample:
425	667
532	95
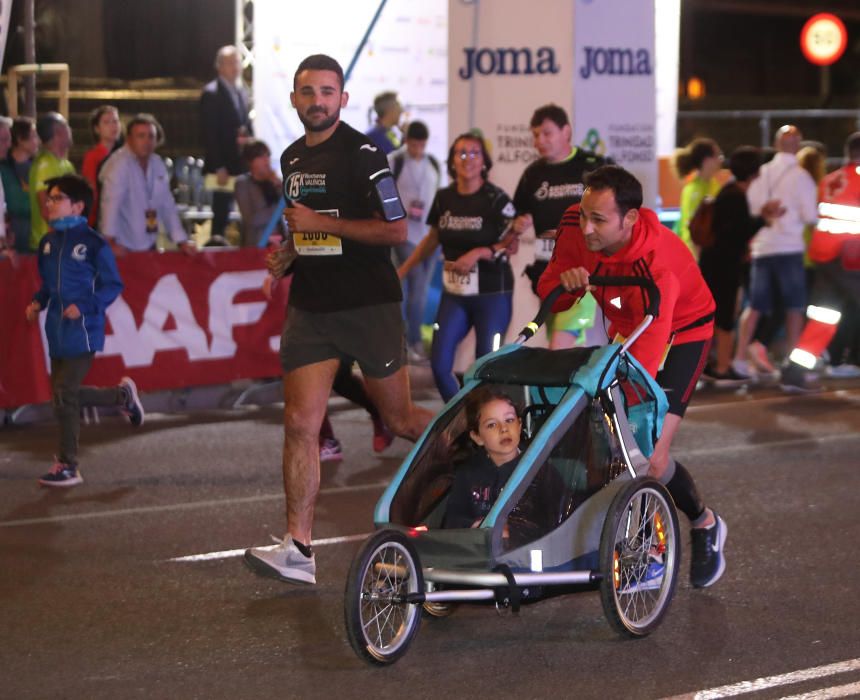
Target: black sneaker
731	377
794	379
62	476
132	408
708	562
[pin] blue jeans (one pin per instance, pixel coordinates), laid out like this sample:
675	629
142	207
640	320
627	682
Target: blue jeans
414	291
488	314
778	274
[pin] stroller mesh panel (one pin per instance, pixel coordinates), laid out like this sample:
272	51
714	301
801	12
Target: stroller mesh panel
584	459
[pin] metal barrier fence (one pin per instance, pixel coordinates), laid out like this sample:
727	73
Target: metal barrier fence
766	117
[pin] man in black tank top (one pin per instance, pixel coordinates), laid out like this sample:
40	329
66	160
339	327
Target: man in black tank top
343	214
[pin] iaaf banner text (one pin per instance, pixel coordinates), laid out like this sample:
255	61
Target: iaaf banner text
181	321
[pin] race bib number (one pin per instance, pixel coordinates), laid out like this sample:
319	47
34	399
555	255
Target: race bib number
460	285
317	243
544	248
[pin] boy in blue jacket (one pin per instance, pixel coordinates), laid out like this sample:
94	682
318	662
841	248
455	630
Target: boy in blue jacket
79	281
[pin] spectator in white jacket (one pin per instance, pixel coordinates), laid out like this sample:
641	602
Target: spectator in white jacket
777	249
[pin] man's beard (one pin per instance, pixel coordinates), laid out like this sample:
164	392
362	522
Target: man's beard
320	126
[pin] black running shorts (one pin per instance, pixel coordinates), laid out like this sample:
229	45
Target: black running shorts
681	371
369	335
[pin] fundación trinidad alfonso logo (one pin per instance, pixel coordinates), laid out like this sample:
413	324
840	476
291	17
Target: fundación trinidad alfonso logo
592	142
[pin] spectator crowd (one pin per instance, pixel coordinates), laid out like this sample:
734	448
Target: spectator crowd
770	227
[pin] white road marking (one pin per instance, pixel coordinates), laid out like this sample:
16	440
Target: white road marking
841	394
839	691
219	503
808	674
774	444
193	505
228	553
700	452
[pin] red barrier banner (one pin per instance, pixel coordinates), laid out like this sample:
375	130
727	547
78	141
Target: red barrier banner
180	321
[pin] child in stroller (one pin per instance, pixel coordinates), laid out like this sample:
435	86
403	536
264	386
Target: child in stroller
494	425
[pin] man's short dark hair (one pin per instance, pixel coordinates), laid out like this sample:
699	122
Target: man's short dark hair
254	149
75	188
47	125
149	120
552	112
418	131
319	61
624	185
21	129
744	162
383	102
852	147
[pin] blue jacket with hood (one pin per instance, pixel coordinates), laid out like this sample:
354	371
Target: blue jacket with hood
77	267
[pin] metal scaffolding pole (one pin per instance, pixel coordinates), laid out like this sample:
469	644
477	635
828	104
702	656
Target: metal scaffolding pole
29	57
244	27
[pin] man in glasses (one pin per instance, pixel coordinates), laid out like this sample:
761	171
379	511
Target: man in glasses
343	214
548	186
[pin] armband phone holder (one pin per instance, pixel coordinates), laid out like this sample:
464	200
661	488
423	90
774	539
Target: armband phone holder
389	199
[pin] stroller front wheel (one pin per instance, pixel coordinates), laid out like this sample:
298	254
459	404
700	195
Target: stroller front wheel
380	623
639	557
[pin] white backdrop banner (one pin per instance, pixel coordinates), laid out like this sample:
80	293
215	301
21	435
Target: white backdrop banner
614	85
406	52
5	14
503	64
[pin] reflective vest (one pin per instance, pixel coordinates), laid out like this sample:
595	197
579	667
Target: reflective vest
838	212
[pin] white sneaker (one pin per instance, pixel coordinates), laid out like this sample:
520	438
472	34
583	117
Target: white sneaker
742	368
132	408
283	562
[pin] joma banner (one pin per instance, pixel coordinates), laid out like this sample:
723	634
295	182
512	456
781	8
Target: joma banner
181	321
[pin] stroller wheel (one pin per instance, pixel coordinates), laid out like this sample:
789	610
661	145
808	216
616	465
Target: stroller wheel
380	623
639	557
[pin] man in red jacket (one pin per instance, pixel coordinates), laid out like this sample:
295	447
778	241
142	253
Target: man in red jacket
610	233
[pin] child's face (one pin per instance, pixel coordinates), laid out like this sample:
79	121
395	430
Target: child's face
59	205
499	430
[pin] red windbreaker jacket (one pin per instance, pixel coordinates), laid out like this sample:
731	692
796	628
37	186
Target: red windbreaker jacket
686	303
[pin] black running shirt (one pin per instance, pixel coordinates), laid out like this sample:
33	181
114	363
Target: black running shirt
472	221
334	177
546	190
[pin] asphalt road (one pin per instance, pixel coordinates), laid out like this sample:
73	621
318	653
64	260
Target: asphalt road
94	605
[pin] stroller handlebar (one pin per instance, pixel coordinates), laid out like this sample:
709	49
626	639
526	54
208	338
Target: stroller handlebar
598	281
